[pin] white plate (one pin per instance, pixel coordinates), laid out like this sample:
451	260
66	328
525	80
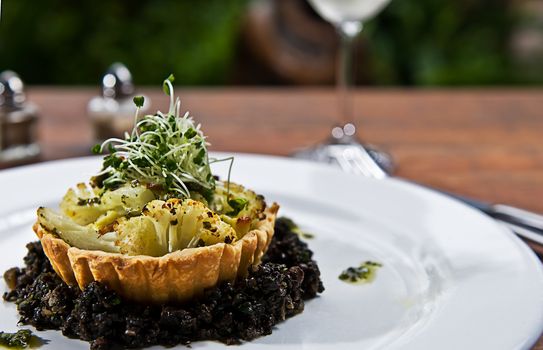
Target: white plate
452	278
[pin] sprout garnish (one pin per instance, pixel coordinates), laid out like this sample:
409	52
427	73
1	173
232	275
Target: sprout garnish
167	152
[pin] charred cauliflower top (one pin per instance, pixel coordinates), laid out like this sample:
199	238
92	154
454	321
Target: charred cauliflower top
131	220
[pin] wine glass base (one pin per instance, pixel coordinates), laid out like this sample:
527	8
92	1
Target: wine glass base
324	153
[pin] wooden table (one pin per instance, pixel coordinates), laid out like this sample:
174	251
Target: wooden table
482	143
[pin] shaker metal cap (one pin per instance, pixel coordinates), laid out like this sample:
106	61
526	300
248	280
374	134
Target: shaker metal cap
12	94
117	82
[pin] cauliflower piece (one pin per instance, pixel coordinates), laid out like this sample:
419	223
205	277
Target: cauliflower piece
86	204
188	224
240	208
81	204
83	237
162	227
209	228
168	226
138	236
127	198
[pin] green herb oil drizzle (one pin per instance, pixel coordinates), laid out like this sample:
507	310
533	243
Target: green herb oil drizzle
22	339
364	273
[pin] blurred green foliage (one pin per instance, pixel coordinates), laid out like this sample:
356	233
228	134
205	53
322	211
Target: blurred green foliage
423	42
429	42
74	41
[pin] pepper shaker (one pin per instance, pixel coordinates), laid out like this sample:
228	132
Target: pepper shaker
113	112
18	119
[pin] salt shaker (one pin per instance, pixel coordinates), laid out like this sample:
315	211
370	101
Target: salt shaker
113	112
18	119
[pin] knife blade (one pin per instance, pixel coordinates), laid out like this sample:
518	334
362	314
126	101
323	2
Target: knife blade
524	223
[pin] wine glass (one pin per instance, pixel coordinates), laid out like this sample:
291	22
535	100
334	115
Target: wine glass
348	17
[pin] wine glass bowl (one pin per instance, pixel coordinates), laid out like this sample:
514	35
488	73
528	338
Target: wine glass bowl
339	11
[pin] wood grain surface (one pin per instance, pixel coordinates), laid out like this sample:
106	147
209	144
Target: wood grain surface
487	144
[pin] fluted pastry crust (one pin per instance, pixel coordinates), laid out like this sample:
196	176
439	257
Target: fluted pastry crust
176	276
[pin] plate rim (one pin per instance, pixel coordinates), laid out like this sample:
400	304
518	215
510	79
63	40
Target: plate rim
537	329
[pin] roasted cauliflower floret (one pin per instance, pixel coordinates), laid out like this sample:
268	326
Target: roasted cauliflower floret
81	204
130	220
81	236
86	204
138	236
188	224
238	206
163	227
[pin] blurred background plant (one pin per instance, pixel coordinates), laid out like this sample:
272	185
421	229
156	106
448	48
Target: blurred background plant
213	42
73	42
459	42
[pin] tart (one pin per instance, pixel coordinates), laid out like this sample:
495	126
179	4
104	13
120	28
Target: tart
154	224
176	276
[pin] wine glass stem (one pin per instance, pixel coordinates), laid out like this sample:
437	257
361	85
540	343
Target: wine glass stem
345	77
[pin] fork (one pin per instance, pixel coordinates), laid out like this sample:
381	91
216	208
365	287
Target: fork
357	160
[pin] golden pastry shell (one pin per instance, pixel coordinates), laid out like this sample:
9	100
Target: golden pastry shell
174	277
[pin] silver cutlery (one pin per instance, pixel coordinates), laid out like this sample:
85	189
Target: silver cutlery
355	159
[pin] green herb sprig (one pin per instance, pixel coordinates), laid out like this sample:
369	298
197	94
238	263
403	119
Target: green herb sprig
20	339
165	151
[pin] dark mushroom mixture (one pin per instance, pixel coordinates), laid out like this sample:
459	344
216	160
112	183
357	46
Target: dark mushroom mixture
230	312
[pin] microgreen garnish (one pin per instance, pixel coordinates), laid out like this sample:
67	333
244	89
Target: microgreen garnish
227	159
138	101
237	205
167	85
165	151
